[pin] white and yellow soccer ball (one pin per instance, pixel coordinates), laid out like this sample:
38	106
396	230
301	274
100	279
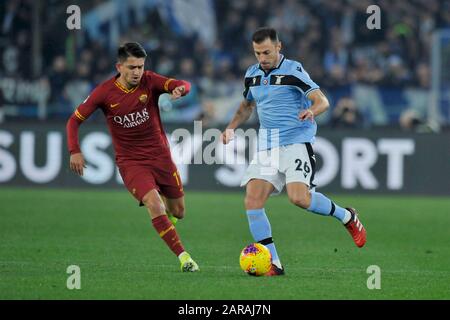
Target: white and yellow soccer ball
255	259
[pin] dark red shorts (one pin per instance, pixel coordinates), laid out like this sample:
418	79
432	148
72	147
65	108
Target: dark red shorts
162	176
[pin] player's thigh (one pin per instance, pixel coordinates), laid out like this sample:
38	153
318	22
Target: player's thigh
299	194
265	169
175	206
168	180
139	180
257	193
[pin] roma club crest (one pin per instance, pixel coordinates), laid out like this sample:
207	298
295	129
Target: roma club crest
143	98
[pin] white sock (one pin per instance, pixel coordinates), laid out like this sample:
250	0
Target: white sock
277	263
182	255
347	217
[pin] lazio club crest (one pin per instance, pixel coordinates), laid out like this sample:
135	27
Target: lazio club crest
143	98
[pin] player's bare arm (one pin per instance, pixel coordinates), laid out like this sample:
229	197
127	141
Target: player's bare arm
242	114
77	163
319	105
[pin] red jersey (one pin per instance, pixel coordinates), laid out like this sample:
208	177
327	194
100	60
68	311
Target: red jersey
132	116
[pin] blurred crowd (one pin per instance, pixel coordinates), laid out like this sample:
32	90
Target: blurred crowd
372	77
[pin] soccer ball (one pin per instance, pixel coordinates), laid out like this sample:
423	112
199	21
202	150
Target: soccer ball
255	259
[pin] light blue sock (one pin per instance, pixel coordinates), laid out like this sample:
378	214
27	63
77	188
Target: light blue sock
320	204
262	232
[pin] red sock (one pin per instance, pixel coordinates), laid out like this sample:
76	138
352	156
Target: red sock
168	233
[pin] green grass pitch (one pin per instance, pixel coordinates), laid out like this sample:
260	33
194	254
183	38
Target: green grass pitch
111	239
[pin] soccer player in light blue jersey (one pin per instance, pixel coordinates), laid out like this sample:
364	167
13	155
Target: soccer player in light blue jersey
287	100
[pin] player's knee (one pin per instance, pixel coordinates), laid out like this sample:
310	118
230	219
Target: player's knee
300	201
252	202
156	207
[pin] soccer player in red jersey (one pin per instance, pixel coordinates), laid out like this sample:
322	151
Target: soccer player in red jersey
129	102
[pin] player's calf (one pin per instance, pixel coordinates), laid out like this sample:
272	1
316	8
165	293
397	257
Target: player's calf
175	207
168	233
177	211
299	194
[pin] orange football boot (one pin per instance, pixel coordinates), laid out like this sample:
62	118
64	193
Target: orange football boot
356	229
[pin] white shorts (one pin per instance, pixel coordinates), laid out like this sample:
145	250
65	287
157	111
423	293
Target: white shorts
283	165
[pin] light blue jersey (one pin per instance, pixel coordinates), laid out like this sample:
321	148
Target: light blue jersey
280	95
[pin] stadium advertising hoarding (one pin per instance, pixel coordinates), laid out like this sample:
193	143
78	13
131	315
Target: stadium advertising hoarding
376	161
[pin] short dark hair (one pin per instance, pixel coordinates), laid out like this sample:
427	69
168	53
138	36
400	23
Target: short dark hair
130	49
262	34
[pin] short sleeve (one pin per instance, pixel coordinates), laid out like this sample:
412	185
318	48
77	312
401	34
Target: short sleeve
304	82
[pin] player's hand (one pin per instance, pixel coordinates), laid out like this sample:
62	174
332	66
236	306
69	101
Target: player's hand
178	92
227	136
77	163
306	114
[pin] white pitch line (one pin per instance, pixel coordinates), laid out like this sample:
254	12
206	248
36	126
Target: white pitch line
227	267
